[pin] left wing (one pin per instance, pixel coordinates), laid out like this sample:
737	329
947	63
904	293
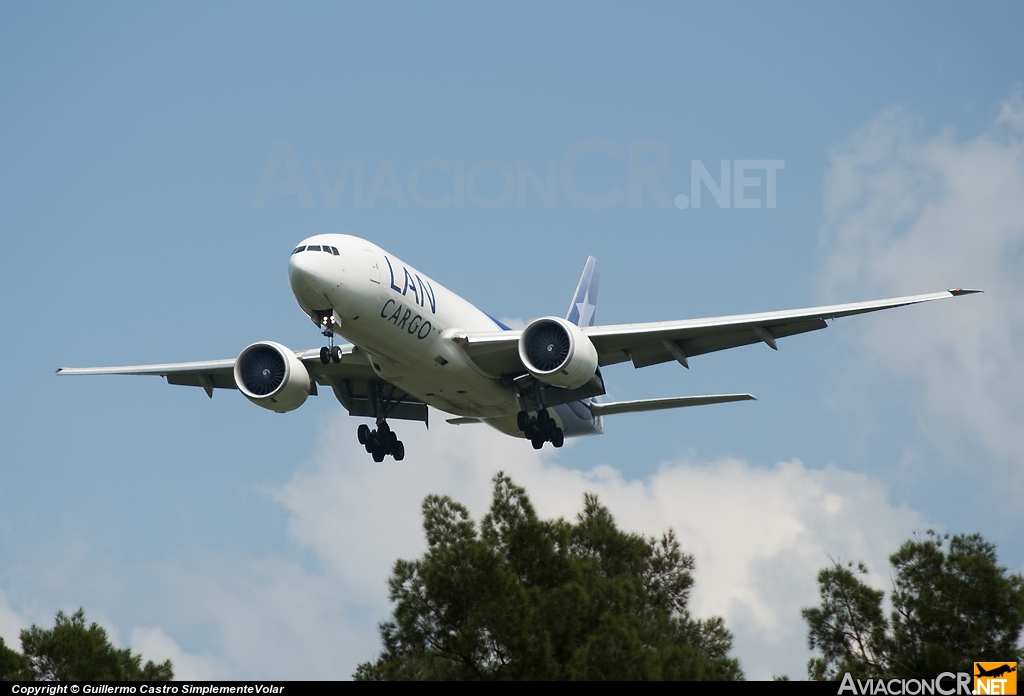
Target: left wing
641	405
219	374
208	374
354	381
658	342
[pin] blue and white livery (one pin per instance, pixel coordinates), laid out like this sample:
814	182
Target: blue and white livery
412	343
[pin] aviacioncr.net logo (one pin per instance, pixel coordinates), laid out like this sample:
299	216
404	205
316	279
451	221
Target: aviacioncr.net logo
946	684
995	678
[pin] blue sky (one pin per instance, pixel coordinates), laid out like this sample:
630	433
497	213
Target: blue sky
134	142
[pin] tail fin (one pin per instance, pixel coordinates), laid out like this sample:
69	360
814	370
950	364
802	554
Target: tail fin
584	302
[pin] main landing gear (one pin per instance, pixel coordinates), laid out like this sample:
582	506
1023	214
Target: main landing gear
381	442
330	352
540	429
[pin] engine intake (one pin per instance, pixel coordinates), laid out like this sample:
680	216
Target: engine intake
558	353
270	376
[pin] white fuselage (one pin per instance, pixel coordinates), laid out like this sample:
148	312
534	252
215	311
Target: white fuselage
405	320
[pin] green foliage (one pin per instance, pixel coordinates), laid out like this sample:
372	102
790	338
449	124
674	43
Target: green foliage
951	607
13	665
72	651
526	598
849	628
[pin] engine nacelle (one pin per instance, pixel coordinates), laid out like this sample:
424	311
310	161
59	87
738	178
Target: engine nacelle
558	353
270	376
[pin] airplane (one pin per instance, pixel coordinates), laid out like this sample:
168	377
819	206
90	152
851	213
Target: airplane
414	344
995	671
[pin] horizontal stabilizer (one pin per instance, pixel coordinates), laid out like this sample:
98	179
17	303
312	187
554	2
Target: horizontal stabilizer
659	404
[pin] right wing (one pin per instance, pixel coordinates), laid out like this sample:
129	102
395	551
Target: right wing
496	352
658	342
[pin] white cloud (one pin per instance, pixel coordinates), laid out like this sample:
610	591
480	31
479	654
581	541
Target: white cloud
11	623
759	535
1012	112
909	213
153	644
261	618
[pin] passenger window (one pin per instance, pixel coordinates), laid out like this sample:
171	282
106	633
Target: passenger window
314	247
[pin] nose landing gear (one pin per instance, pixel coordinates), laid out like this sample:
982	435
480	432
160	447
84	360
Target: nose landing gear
540	429
330	352
381	442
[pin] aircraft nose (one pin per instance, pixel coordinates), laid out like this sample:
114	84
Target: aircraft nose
300	268
307	274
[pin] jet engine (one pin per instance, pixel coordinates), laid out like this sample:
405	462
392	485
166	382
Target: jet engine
270	376
558	353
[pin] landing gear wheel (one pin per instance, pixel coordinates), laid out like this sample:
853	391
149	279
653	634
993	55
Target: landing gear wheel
543	419
523	420
537	443
335	354
325	355
381	441
558	439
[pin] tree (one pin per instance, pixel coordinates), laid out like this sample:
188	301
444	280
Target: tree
13	665
525	598
71	651
849	628
951	607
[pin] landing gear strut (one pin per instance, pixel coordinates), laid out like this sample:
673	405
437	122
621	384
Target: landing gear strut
381	442
540	429
330	352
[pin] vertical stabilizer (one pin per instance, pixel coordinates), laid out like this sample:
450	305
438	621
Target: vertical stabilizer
584	302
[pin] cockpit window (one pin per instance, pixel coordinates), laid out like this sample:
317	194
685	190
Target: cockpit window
317	247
